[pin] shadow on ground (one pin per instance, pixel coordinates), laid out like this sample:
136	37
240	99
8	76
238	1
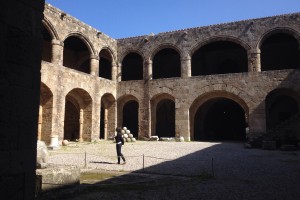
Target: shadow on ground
223	171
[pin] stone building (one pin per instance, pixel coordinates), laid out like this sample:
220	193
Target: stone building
203	83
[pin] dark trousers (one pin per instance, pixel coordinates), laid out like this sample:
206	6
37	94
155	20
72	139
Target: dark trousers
119	153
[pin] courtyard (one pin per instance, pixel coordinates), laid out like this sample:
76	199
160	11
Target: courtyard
179	170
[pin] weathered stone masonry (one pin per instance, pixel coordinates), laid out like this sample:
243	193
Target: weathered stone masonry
205	83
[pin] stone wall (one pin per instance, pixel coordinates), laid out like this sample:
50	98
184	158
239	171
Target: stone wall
20	57
248	88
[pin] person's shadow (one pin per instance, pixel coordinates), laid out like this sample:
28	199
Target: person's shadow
97	162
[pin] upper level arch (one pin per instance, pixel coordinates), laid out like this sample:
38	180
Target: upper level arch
106	62
219	55
77	53
280	49
166	62
52	31
132	67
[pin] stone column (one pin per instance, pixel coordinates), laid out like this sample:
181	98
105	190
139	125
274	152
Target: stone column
105	123
186	67
119	72
81	126
40	123
115	75
254	61
57	52
148	70
94	65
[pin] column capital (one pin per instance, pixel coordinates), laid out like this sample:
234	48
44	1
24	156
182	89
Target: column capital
96	57
254	51
57	42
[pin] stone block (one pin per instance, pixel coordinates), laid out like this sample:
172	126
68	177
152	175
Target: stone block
56	176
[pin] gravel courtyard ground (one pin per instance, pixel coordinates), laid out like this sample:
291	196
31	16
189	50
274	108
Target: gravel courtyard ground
179	170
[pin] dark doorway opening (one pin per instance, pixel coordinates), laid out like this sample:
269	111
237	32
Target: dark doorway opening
102	132
220	119
165	118
130	117
71	126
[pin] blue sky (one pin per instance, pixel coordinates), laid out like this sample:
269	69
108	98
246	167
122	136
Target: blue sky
128	18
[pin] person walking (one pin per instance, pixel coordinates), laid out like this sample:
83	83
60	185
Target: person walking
119	142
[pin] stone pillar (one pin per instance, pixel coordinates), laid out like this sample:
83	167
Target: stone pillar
148	71
119	72
182	126
254	61
257	121
57	52
94	65
115	74
40	123
20	57
186	67
81	126
105	123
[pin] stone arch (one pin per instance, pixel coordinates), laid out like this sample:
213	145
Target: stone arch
45	114
165	46
85	39
48	25
270	32
128	51
78	115
128	119
166	61
235	40
163	115
107	116
216	95
106	63
219	55
279	49
281	104
132	62
77	53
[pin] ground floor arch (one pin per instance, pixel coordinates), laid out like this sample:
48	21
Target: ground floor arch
163	115
128	114
107	116
281	105
45	114
220	119
78	116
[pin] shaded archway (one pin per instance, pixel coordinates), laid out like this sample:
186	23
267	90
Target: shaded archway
107	116
47	46
281	105
78	116
105	64
220	57
280	51
132	67
166	64
165	118
130	117
45	114
220	119
76	54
